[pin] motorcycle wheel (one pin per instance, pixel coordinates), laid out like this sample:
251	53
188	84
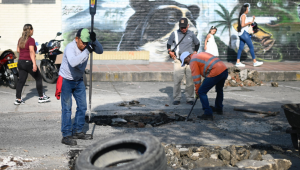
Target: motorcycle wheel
12	80
48	73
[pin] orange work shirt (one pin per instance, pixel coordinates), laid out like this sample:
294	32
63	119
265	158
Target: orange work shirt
206	65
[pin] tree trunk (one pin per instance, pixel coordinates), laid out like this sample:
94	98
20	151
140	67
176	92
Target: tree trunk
229	38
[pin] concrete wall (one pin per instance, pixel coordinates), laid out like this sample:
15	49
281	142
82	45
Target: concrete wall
44	15
145	25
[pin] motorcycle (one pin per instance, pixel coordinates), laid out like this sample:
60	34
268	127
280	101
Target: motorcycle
49	69
8	68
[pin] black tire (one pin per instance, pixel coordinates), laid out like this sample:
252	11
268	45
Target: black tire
138	152
294	138
48	72
12	80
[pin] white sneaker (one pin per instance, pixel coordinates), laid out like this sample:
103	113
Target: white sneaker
257	63
18	102
44	99
45	96
240	64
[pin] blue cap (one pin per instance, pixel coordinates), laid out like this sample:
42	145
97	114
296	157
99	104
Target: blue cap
183	56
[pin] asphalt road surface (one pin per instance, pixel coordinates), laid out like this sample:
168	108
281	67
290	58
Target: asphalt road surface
32	131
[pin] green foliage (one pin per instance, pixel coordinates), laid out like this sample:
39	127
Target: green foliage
227	17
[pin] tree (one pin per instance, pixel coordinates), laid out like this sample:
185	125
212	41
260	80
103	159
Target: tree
227	19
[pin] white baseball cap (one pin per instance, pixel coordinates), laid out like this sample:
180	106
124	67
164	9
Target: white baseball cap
183	56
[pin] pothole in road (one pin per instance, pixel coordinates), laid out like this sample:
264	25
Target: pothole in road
136	120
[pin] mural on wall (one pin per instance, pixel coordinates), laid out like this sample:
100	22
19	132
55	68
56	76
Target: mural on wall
130	25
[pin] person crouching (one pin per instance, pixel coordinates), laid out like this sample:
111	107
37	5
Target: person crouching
215	73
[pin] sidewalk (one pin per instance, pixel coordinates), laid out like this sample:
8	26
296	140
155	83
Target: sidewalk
269	71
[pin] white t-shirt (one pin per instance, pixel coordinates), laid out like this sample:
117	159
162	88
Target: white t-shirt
243	28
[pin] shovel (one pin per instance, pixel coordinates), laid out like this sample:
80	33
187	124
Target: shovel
187	118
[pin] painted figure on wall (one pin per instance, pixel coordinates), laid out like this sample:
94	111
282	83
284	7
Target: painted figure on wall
279	30
150	32
134	25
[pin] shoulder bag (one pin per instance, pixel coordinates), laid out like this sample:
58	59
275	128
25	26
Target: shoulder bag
177	45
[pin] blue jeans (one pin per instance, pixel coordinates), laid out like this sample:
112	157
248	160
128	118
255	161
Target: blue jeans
245	38
208	83
77	88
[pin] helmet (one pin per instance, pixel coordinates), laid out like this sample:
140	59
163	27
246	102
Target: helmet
53	45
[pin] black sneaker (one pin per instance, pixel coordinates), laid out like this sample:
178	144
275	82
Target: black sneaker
68	140
18	102
219	112
206	117
81	135
176	102
190	102
44	99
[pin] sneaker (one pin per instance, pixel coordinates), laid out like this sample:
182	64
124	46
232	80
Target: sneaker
45	96
44	99
68	140
240	64
206	117
257	63
176	102
81	135
219	112
18	102
190	102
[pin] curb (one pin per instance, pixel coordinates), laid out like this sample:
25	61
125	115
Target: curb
168	76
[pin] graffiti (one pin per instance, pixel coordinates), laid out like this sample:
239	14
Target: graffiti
227	19
130	25
152	35
73	9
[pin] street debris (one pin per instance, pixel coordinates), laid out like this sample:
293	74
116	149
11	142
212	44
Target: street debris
274	84
131	104
136	121
15	162
237	77
193	157
269	113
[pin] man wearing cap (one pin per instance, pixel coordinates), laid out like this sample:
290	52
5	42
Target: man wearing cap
189	39
73	64
215	73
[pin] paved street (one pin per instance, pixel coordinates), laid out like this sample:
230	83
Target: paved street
32	130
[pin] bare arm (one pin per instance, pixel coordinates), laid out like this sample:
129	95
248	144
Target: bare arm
32	56
243	24
205	42
18	49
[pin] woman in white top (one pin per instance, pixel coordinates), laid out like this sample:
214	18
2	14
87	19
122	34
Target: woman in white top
243	26
210	45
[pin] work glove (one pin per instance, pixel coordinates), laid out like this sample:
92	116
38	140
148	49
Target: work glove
93	36
90	47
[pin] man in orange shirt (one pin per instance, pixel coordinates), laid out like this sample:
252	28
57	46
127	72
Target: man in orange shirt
215	73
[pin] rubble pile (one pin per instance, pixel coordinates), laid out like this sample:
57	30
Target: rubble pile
183	158
237	77
11	162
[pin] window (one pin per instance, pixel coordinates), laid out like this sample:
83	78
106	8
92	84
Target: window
28	1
